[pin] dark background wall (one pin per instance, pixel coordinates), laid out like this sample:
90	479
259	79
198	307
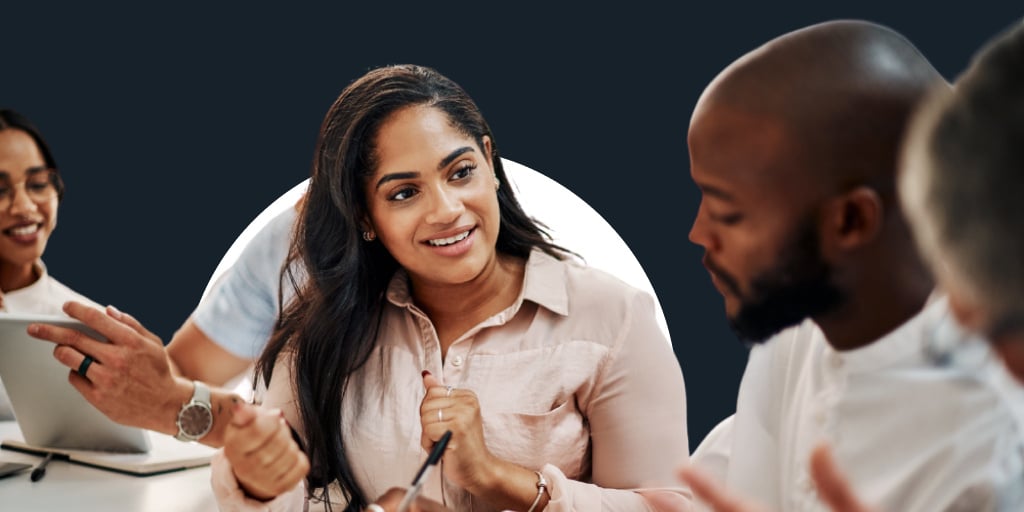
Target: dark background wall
175	125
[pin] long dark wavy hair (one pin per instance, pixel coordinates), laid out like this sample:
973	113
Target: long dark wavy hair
332	323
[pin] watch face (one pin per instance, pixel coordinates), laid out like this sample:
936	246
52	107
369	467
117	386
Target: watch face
195	420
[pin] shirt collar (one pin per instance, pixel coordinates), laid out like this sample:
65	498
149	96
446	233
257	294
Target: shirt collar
38	284
909	341
544	283
40	268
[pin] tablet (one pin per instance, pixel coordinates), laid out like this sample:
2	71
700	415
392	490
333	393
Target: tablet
50	412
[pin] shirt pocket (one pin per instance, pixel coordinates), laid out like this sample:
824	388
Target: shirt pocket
559	437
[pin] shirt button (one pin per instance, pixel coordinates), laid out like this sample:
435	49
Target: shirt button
819	417
805	483
836	360
457	361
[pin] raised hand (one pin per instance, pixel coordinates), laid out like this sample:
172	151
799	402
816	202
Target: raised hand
467	459
265	458
833	488
715	494
467	462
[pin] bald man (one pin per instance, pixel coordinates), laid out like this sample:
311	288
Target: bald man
794	148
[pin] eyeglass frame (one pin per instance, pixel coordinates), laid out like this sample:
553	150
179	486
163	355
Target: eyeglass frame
54	180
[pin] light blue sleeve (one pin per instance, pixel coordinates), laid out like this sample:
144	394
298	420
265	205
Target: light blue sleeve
241	309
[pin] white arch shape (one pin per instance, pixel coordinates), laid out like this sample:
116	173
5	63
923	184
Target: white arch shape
573	224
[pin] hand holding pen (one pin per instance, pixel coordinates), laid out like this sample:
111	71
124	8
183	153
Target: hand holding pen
421	476
446	408
389	501
468	463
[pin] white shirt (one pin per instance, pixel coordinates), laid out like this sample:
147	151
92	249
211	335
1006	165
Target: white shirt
46	296
923	419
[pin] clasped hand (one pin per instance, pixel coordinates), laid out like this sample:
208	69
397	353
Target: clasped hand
264	456
467	459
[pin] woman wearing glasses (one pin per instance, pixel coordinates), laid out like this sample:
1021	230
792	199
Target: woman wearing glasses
30	191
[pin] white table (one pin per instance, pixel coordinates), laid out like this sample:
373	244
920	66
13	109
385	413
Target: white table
69	486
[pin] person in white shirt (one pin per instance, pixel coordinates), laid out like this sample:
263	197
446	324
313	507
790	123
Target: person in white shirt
976	253
30	192
794	147
962	184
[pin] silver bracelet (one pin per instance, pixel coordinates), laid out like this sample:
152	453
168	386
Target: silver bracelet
542	487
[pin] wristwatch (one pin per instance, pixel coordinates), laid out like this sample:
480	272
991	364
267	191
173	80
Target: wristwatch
195	419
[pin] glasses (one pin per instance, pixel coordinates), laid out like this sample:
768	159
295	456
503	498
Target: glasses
39	186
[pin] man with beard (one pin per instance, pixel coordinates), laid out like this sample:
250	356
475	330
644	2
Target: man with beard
794	148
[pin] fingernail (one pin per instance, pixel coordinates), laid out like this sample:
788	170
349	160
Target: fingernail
33	329
425	373
116	313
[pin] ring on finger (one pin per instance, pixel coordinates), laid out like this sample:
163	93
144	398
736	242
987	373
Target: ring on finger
448	391
84	367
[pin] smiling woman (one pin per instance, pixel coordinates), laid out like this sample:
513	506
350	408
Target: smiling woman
441	224
435	304
30	192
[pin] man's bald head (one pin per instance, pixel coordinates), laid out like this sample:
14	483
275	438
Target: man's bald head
841	92
795	147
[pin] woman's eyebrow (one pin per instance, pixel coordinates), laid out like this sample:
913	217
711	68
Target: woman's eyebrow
452	156
30	171
396	176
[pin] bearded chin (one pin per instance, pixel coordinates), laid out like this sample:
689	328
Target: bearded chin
800	286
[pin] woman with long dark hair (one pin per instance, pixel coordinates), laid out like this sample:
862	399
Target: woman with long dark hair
428	302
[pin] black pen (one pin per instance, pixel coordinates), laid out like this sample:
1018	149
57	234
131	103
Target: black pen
417	483
40	471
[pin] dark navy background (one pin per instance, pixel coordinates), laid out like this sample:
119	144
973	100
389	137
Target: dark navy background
175	125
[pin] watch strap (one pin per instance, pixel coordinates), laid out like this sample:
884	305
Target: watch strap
201	393
200	398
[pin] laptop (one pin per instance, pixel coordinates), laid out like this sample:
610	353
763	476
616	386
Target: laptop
54	417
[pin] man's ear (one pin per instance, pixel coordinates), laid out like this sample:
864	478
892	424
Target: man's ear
966	312
855	218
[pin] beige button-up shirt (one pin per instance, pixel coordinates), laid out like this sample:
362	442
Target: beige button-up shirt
574	379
